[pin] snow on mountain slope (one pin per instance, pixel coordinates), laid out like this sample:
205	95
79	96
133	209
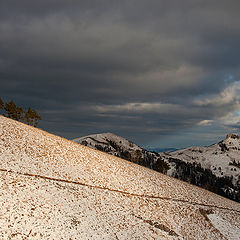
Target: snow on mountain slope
188	165
108	140
52	188
120	147
223	159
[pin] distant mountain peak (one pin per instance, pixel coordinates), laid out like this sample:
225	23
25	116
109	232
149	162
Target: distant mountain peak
108	139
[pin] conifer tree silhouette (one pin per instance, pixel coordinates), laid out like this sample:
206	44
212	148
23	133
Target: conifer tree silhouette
30	117
36	118
11	110
1	104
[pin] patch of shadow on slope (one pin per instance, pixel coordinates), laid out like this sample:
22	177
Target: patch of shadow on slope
205	214
159	226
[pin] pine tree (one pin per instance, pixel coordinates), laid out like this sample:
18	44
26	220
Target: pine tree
1	104
19	113
36	118
11	110
29	116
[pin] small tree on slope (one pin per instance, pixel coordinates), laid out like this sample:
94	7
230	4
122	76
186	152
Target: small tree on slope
28	118
36	118
11	110
32	117
1	104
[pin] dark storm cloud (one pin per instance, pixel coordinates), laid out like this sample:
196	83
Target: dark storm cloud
137	68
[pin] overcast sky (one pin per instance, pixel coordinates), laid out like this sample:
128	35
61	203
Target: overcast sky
160	73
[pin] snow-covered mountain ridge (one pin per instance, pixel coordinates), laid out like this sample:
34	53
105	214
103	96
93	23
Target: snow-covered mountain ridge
110	141
216	168
123	148
222	158
115	145
52	188
221	162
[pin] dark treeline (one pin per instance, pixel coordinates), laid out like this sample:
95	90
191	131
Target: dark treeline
11	110
193	173
144	158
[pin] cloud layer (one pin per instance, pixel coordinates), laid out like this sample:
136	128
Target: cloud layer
143	69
